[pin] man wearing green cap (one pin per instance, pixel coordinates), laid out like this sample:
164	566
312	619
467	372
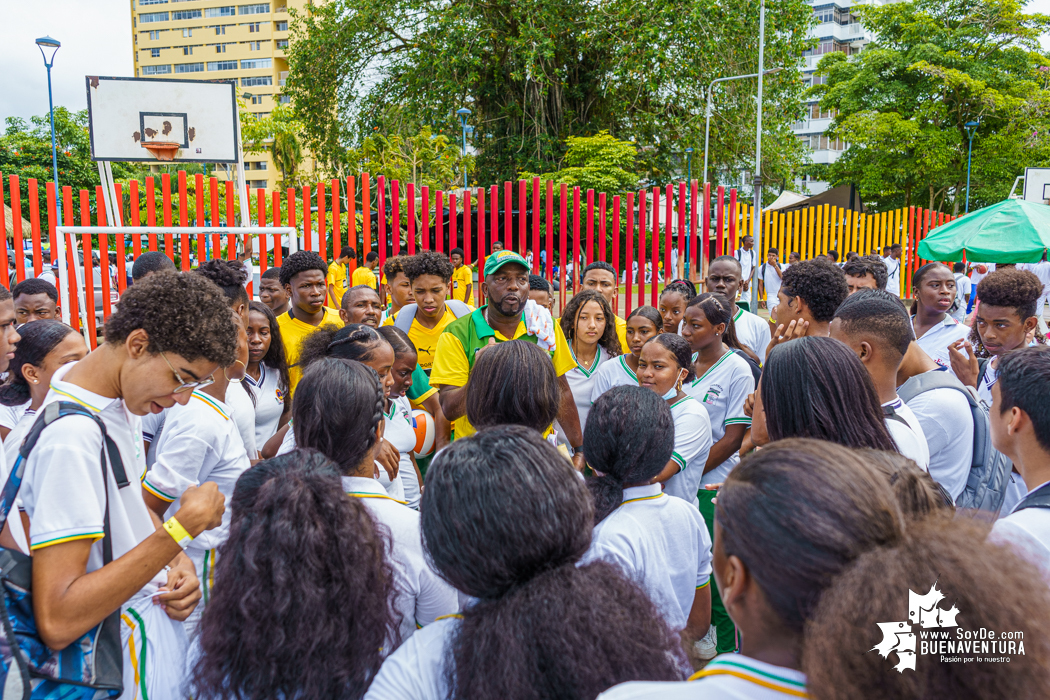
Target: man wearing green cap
503	317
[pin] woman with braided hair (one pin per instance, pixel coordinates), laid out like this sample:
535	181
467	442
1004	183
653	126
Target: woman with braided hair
352	437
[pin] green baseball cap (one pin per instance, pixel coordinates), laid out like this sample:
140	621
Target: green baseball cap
501	258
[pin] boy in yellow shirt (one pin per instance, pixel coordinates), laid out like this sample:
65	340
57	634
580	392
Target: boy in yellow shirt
462	278
366	274
335	280
303	278
429	274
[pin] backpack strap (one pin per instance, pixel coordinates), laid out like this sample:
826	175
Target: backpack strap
458	308
982	364
405	316
51	413
889	413
1040	498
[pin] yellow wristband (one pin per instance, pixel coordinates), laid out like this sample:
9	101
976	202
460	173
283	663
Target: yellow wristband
178	533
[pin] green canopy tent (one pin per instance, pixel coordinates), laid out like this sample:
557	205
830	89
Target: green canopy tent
1014	231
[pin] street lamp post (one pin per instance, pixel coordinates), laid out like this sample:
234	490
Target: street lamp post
756	213
971	129
707	120
688	210
46	42
463	113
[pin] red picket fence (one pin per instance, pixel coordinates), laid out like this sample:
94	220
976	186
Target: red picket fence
637	229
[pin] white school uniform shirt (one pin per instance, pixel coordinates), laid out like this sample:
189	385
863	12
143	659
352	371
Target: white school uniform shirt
976	277
692	444
269	403
581	382
772	282
728	677
752	331
746	258
1015	491
659	542
946	421
394	488
935	340
962	290
200	443
722	390
242	410
152	426
416	670
1027	532
8	457
908	436
399	430
422	596
613	372
1042	271
10	415
893	275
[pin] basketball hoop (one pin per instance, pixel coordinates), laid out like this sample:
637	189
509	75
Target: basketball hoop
162	150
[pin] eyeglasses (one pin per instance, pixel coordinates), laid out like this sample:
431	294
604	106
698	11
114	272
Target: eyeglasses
185	386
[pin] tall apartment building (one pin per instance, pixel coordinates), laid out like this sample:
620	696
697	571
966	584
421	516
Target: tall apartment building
837	29
210	39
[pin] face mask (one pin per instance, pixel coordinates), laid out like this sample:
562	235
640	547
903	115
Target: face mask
671	393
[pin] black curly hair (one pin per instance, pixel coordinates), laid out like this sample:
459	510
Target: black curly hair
1011	288
863	265
304	574
506	520
183	314
683	287
301	261
537	284
33	286
821	285
570	317
229	276
394	266
427	262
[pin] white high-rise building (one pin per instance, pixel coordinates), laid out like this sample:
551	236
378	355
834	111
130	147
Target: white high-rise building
837	30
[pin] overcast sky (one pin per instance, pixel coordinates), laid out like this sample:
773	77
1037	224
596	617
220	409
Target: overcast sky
96	40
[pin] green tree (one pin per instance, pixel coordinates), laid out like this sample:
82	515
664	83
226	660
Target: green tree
537	72
903	102
601	162
278	134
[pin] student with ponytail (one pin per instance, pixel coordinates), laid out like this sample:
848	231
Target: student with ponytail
351	437
303	564
665	366
642	324
788	521
506	521
657	541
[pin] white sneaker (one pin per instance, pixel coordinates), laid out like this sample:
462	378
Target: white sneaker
707	648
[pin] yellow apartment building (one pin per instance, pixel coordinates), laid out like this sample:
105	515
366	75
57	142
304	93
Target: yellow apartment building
213	39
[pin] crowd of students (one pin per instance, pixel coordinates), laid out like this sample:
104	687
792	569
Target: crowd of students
689	502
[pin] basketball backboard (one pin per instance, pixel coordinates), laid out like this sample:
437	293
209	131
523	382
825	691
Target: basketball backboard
1037	185
148	119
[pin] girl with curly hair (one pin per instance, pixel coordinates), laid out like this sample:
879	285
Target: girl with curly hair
351	436
303	604
642	324
587	322
789	519
506	521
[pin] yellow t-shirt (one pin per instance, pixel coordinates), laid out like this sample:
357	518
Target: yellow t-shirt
363	275
621	333
292	333
336	278
462	278
451	366
425	339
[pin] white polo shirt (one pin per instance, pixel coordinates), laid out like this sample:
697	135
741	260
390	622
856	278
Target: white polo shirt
15	437
581	382
62	489
1028	533
8	456
722	390
269	403
935	340
242	410
772	281
416	670
1015	491
893	275
692	444
963	288
395	488
946	421
659	542
399	430
728	677
908	436
10	415
152	427
614	372
200	443
752	331
422	595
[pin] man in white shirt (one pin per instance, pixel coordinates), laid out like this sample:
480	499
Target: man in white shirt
769	274
724	277
962	292
893	270
1020	427
875	325
745	255
1041	270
